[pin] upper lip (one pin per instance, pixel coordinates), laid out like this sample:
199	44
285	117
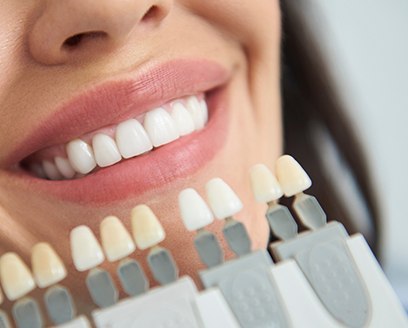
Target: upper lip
115	100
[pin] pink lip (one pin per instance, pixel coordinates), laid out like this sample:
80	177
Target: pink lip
115	101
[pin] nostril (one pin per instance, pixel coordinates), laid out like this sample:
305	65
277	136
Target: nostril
151	14
75	40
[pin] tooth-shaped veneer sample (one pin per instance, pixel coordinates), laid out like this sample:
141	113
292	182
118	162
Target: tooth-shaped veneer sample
132	139
47	266
265	186
146	228
194	211
222	199
105	150
182	119
116	240
291	176
64	167
80	156
15	276
160	127
85	249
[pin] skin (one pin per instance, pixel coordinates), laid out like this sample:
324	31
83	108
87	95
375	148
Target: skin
38	74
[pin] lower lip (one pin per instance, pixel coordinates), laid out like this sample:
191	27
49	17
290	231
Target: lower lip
152	171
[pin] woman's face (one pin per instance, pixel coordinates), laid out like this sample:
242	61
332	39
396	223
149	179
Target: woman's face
73	69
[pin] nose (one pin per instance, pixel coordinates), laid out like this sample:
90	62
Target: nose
66	29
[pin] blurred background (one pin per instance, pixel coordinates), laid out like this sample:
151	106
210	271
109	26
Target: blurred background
345	97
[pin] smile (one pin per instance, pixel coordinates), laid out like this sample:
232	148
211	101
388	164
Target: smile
129	136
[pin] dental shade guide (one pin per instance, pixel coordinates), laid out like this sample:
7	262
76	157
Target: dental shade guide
244	282
87	255
4	320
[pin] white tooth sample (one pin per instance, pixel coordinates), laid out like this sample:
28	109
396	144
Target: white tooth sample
48	268
105	150
265	186
291	176
146	228
64	167
85	249
204	110
80	156
132	139
182	119
15	276
194	108
51	171
223	201
160	127
116	240
194	212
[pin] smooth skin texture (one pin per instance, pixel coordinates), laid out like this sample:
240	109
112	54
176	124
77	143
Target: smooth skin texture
39	72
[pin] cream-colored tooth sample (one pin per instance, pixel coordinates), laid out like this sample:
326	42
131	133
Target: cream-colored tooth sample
64	167
80	156
85	249
51	171
265	186
15	276
194	212
160	127
223	201
194	108
132	139
105	150
182	119
116	240
146	228
204	110
291	176
47	266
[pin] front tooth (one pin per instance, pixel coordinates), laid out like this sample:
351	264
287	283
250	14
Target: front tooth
291	176
64	167
85	249
194	108
160	127
105	150
132	139
15	276
51	171
182	119
223	200
48	268
193	210
116	240
80	156
147	230
265	186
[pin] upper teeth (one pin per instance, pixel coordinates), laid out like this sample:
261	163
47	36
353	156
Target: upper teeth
160	126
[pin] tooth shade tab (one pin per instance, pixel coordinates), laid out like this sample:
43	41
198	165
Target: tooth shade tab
160	127
105	150
116	240
15	276
85	249
64	167
223	201
291	176
146	228
132	139
80	156
265	186
194	212
47	266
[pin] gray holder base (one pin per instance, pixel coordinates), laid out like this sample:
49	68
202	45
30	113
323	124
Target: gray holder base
237	237
101	287
132	277
323	257
248	288
208	248
59	305
162	265
27	314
